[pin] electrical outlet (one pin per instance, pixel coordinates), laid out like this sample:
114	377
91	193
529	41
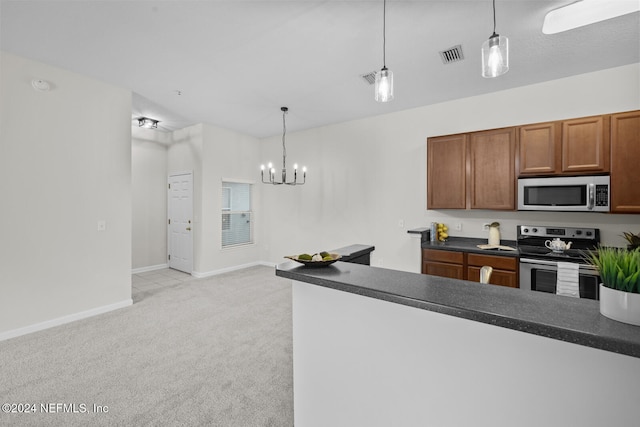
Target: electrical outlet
102	225
485	226
401	223
457	226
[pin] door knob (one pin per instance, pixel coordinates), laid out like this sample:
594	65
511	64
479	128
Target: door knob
188	228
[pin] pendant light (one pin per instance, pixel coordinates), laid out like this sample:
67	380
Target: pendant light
495	53
384	78
272	171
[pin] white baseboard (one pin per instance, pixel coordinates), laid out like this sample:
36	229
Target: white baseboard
64	319
201	275
149	268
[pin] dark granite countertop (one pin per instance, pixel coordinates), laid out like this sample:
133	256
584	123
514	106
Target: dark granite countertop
354	251
470	244
567	319
464	244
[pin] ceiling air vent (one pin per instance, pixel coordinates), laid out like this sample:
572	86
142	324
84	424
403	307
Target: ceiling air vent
453	54
369	78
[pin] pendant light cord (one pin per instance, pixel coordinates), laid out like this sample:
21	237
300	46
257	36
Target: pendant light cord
384	34
284	148
494	17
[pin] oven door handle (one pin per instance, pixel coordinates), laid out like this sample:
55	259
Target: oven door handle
538	261
585	268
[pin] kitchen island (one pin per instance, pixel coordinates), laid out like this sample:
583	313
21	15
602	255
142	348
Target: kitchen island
374	346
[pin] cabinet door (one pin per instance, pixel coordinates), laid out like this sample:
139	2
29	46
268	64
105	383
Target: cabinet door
498	277
585	145
625	155
443	263
446	172
539	149
442	269
492	169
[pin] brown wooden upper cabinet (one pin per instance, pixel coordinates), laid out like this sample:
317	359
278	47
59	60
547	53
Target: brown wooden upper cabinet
625	157
540	149
446	172
569	147
472	171
585	145
492	178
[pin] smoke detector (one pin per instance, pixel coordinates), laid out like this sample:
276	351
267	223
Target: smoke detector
40	85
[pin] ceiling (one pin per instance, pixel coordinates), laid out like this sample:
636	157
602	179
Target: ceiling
234	63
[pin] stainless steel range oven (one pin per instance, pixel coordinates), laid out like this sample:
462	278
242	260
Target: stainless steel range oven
539	264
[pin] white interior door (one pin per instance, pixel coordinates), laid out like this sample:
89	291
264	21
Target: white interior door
180	212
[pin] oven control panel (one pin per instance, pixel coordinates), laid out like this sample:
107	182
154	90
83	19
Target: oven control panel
566	232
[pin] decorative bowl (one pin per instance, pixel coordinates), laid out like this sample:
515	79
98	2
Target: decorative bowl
309	263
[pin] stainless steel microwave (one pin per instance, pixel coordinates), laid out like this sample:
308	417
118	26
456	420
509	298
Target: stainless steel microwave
574	194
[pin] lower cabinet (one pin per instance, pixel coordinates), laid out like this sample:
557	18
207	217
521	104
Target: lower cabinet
443	263
505	269
466	266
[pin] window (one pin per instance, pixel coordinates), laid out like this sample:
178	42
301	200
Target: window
237	218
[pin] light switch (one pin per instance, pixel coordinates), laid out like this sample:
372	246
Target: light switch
102	225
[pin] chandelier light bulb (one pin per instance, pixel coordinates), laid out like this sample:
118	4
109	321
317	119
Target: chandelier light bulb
295	166
261	167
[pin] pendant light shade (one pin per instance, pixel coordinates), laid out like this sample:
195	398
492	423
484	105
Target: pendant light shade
495	56
495	53
384	77
384	85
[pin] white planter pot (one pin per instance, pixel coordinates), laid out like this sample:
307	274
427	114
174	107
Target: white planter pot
621	306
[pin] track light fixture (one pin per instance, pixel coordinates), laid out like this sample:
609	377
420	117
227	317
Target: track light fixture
147	123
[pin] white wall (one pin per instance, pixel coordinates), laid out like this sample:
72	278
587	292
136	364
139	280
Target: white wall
214	155
65	164
226	156
365	176
149	197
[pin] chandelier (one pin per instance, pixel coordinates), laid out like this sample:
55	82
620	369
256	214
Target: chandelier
271	171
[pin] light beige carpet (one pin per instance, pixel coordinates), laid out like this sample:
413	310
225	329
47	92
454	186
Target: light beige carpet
215	351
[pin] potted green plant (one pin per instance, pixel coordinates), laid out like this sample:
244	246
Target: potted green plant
633	240
620	288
